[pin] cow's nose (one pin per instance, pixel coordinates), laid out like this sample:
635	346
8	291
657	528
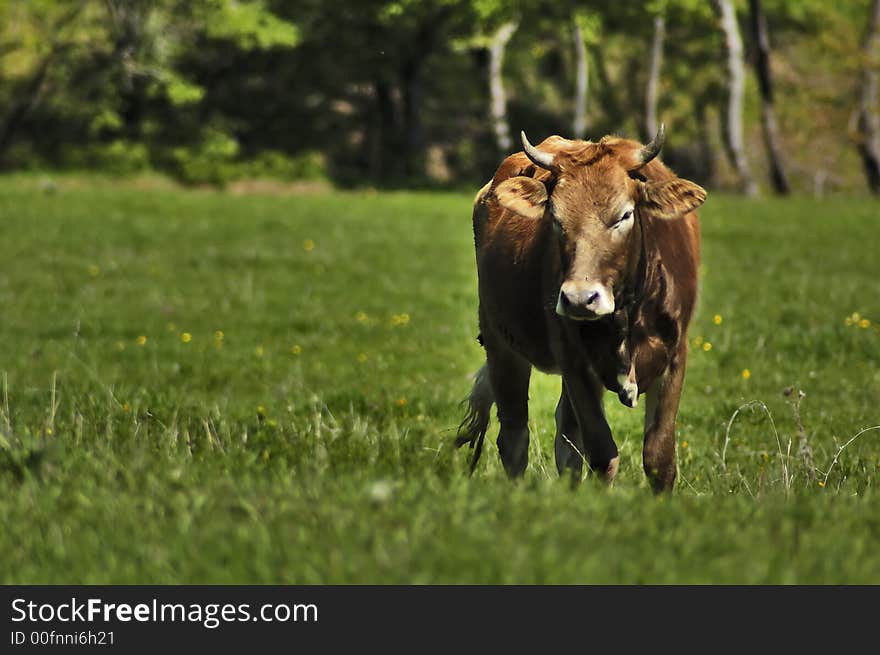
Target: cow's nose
568	296
591	297
578	296
577	299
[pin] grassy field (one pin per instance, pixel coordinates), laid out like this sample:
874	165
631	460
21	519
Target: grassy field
206	388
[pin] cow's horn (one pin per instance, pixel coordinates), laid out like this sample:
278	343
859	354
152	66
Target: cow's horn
652	149
538	157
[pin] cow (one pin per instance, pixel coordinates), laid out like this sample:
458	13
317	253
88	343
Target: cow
587	256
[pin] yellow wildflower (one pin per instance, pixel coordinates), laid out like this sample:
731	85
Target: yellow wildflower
746	374
684	444
361	317
401	402
707	346
362	357
141	340
717	319
864	324
186	337
296	350
94	270
258	351
308	245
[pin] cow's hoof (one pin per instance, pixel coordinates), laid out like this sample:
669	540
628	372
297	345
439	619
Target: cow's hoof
611	470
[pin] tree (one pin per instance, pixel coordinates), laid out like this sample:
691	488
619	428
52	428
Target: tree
498	103
868	137
652	88
761	60
582	75
26	92
97	77
733	120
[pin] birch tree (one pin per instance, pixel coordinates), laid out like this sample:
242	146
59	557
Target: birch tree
653	87
498	97
868	135
778	177
733	119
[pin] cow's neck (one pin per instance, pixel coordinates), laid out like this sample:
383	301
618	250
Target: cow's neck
635	280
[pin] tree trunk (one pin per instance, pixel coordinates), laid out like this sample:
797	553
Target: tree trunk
497	96
33	89
582	70
411	75
654	77
606	90
706	154
414	143
385	153
768	117
868	136
733	127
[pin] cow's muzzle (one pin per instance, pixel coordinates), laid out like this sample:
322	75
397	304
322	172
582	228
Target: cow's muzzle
584	301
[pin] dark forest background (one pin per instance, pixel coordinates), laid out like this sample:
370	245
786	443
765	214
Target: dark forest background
758	96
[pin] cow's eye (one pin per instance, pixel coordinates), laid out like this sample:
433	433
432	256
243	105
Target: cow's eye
620	222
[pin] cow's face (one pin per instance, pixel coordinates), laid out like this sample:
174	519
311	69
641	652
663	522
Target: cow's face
594	207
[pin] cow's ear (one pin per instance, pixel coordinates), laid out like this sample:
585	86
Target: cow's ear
525	196
671	199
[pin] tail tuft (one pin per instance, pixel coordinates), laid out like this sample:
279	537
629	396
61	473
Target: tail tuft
472	429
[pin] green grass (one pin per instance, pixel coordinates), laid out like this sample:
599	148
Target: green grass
312	443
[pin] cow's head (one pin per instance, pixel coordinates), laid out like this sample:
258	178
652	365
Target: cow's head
595	195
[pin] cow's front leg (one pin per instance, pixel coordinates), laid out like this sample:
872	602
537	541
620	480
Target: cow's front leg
569	446
509	374
584	392
661	408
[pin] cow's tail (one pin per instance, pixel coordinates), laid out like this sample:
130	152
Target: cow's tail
472	429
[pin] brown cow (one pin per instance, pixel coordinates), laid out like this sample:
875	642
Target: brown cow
587	257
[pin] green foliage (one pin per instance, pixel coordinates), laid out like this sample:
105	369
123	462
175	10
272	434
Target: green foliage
248	25
182	92
381	87
272	164
203	388
115	80
208	161
117	157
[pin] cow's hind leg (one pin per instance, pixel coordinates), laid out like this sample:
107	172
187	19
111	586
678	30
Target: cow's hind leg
509	374
569	446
